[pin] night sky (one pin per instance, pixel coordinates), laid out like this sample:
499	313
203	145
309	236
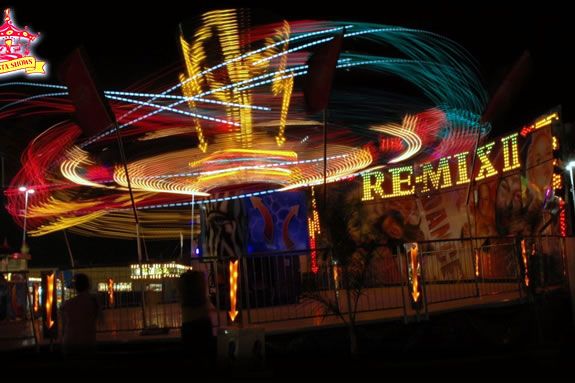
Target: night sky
131	41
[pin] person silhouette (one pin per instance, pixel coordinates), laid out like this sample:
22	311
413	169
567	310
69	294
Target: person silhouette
197	334
79	319
3	297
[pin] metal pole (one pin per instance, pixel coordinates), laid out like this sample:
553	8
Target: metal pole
25	216
215	268
192	229
476	262
403	284
131	192
246	278
31	312
424	289
69	248
3	173
472	170
324	160
572	197
139	247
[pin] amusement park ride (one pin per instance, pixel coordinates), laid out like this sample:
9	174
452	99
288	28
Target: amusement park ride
234	146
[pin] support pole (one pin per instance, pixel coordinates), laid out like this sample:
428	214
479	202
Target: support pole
192	229
69	248
139	246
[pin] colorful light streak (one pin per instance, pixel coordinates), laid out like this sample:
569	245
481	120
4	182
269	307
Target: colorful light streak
314	229
220	133
406	133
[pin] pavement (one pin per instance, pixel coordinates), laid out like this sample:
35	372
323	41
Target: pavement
528	342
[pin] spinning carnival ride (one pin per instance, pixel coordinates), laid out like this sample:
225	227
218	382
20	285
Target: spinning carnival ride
235	125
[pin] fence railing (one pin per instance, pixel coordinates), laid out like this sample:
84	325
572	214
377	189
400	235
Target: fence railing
284	286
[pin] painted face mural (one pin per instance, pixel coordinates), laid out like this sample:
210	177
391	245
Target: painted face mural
539	160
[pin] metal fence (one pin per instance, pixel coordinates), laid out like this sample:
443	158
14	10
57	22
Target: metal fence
460	269
298	285
285	286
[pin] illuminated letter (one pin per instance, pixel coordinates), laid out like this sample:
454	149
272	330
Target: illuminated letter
376	187
218	27
397	181
283	84
442	171
462	177
486	169
510	160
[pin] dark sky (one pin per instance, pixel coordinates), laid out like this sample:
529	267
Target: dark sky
127	40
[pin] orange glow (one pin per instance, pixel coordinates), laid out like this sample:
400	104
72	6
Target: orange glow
233	289
524	258
110	292
336	275
36	298
476	262
414	271
49	299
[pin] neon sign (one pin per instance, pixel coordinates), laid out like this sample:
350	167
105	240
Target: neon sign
157	270
15	52
448	171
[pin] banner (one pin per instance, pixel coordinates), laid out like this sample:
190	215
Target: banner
29	64
277	222
511	183
224	226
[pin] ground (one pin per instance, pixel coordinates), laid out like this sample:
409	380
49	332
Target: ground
523	342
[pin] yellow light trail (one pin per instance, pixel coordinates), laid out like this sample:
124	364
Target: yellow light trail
405	131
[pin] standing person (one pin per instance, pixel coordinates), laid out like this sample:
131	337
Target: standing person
3	297
197	334
79	319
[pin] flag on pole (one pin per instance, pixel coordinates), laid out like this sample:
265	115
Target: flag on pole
321	68
93	113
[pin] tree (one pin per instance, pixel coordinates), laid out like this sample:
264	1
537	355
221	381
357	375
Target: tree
346	262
